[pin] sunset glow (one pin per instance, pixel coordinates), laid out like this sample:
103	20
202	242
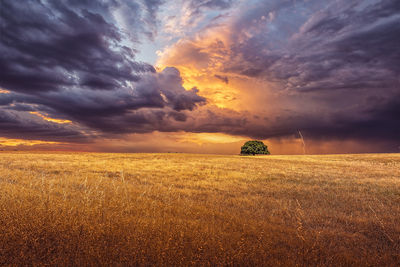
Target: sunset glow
7	142
205	138
46	118
216	72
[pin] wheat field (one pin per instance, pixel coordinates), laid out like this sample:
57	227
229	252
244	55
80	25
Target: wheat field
92	209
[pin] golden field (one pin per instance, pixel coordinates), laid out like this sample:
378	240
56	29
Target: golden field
90	209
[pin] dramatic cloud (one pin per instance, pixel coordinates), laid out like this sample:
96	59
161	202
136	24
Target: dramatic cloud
332	67
70	60
70	70
21	125
46	47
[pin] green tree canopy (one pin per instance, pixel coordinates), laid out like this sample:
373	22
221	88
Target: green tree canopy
253	148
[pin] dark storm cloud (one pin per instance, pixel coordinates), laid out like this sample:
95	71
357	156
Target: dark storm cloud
22	125
115	108
61	44
333	65
358	50
70	60
329	45
113	111
336	62
344	58
178	116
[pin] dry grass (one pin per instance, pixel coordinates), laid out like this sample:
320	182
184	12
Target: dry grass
181	209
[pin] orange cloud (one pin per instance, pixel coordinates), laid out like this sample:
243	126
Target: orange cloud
2	91
24	142
50	119
202	61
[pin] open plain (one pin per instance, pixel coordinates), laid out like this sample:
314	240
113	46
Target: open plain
184	209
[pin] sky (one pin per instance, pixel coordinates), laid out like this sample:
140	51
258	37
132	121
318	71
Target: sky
200	76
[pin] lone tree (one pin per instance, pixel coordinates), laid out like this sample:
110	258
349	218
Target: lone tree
253	148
